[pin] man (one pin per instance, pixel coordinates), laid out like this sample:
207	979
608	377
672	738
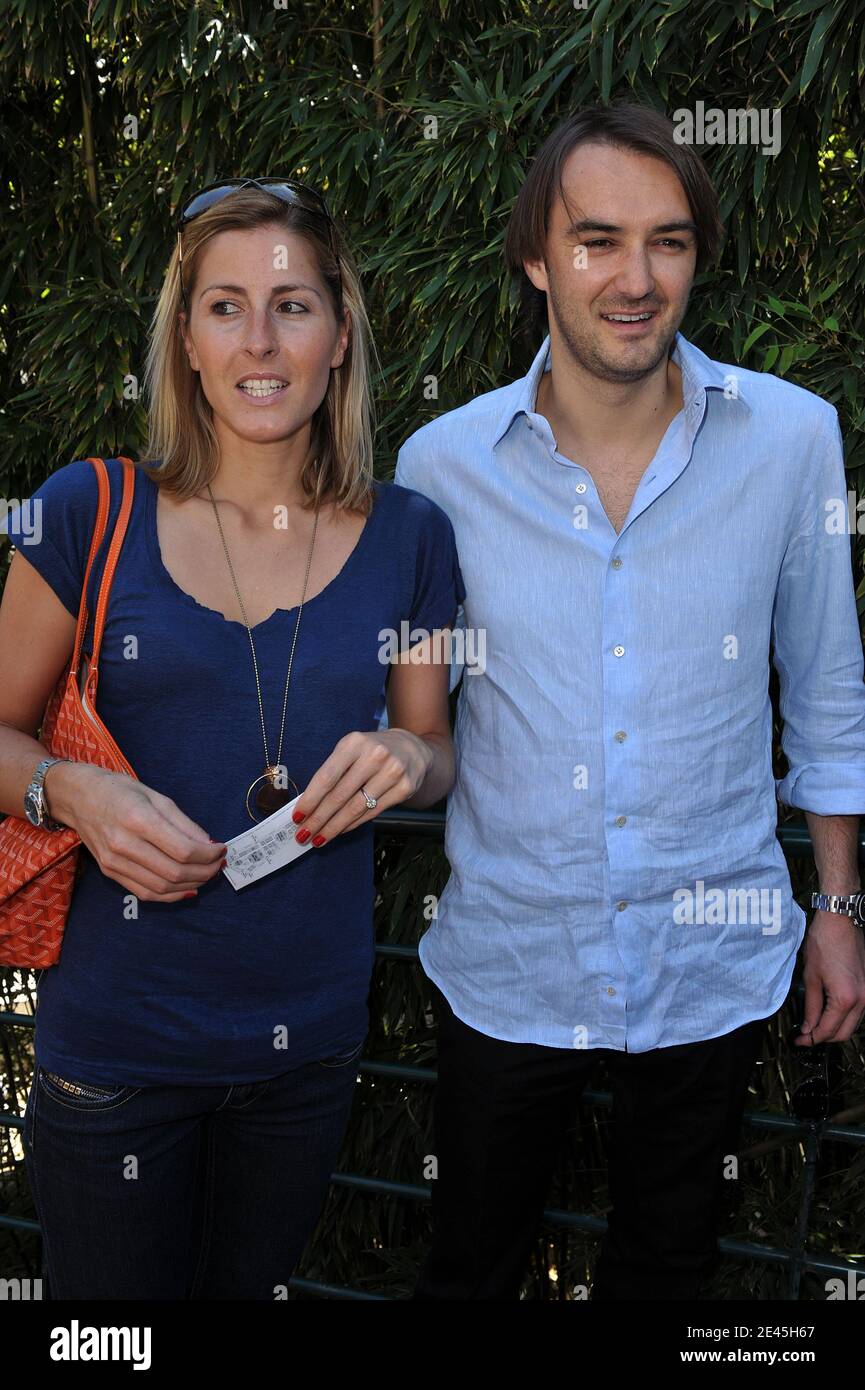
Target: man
635	522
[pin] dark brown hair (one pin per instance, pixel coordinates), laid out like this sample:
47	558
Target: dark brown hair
625	125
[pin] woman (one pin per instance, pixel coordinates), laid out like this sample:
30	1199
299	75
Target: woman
196	1044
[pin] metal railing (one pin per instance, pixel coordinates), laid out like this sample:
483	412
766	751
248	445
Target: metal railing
796	842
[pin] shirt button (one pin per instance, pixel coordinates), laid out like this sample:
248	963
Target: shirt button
621	820
580	487
622	905
616	563
620	736
618	651
610	989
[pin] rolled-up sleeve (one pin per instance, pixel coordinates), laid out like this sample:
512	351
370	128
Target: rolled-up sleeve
817	643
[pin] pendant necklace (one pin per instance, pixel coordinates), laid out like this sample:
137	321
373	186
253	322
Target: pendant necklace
266	796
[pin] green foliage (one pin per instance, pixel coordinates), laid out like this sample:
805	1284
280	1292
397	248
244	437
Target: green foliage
114	110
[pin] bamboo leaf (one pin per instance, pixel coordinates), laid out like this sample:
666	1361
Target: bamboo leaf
816	44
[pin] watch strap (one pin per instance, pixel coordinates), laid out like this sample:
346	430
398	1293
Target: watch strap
844	904
36	789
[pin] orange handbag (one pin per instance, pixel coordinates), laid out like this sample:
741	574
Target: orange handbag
38	867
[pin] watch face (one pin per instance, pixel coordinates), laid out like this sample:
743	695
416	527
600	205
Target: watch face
31	808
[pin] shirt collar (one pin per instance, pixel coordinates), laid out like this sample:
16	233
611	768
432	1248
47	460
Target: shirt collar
699	372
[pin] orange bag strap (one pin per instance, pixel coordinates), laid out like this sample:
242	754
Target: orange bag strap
102	512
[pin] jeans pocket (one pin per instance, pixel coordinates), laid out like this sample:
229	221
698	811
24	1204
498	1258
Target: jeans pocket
82	1095
342	1059
27	1124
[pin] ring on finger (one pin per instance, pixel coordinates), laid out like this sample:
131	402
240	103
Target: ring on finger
371	801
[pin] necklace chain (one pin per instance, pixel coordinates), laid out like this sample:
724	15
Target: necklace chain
269	765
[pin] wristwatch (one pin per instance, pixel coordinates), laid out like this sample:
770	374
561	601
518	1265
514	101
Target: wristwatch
34	798
851	905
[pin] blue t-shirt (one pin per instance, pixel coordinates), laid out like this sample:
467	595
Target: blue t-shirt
231	986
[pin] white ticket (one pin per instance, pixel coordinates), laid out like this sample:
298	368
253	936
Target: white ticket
267	846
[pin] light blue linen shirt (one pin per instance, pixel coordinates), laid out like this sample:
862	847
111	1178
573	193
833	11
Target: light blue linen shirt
616	878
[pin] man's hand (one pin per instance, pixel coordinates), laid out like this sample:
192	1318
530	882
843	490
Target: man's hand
390	764
834	965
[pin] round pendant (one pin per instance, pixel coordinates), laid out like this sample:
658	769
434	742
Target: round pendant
267	798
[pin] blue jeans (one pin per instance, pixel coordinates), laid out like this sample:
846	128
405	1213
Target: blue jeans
183	1192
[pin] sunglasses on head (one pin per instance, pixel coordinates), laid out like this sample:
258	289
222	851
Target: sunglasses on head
288	190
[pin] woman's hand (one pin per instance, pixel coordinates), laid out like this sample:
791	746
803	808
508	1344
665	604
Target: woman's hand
137	836
390	765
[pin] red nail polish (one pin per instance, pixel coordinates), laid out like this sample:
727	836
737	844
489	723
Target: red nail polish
298	816
302	836
191	895
318	840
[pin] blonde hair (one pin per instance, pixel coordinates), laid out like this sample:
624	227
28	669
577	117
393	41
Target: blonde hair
182	450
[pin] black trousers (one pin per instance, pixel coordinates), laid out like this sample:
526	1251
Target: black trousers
501	1112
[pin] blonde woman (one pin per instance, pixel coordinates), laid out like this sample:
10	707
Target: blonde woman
196	1044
